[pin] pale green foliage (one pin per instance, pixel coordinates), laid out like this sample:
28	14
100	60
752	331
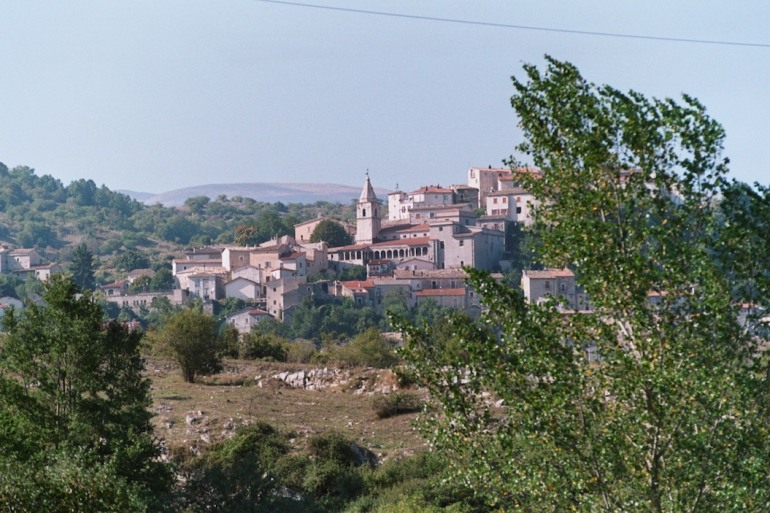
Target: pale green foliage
671	412
367	349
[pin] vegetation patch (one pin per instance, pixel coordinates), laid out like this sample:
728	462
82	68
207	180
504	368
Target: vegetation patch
396	404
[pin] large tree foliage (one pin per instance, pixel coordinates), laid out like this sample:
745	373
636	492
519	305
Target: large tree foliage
74	395
331	232
657	400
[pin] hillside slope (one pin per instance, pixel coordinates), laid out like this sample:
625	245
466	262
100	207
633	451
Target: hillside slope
263	192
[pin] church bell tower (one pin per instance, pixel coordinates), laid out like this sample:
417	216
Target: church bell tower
368	221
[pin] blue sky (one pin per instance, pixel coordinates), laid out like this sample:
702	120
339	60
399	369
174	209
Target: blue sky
153	95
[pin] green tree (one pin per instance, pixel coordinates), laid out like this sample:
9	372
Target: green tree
642	406
269	224
331	232
35	234
82	267
141	284
191	338
353	272
238	474
74	390
83	192
178	228
246	235
163	280
395	304
129	260
197	204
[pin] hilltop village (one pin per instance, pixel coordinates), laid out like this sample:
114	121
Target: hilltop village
412	244
417	249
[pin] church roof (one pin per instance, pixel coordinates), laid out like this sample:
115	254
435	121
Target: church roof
367	194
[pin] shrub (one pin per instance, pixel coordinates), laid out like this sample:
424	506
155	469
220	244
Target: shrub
301	351
394	404
369	349
256	345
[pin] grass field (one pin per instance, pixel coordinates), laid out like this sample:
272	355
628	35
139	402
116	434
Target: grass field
190	416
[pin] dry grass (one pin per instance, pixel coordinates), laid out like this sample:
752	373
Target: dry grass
193	415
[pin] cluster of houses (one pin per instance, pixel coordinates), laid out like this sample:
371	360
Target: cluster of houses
416	249
26	263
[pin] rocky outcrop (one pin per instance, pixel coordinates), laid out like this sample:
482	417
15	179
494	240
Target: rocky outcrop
367	381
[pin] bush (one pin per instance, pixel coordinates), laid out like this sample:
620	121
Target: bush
395	404
301	351
369	349
236	474
258	346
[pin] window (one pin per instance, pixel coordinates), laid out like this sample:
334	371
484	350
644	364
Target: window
505	200
363	213
462	243
563	287
547	285
494	200
518	210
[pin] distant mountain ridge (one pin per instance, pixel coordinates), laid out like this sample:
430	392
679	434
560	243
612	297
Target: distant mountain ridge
259	191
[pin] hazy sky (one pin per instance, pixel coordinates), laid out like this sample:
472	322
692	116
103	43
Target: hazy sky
156	95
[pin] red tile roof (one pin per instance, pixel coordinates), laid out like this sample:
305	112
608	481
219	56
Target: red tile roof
357	284
417	228
115	285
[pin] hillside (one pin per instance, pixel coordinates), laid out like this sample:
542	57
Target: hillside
41	212
259	191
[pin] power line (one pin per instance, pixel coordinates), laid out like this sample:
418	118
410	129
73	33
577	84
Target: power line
517	27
